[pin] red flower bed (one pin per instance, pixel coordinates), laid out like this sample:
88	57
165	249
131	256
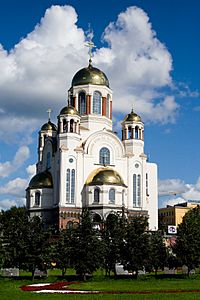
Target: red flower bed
63	286
46	286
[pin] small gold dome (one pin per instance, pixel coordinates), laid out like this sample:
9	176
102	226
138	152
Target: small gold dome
49	126
41	180
90	75
132	117
105	176
69	110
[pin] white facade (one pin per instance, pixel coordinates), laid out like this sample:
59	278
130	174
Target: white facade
83	163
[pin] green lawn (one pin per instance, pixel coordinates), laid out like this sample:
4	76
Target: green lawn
10	288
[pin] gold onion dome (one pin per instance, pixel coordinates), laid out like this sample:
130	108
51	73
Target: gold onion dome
132	117
69	110
90	75
41	180
49	126
105	176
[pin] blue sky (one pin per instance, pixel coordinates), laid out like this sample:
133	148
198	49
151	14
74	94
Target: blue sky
150	52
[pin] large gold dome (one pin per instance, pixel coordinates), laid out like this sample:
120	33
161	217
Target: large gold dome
90	75
41	180
105	176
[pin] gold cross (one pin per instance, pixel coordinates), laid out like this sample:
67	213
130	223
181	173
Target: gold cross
49	111
91	45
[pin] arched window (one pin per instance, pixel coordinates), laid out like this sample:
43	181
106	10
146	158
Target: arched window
147	185
82	103
96	195
112	195
37	199
97	103
137	132
108	106
70	186
139	190
104	156
69	225
136	190
48	160
71	125
123	194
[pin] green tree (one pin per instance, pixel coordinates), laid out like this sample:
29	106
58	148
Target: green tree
62	251
37	243
135	254
187	247
157	251
25	242
13	224
112	238
86	246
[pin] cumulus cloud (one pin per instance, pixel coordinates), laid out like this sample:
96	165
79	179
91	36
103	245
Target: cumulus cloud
7	203
41	66
15	189
173	191
8	167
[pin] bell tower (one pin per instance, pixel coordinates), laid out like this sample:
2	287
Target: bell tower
133	134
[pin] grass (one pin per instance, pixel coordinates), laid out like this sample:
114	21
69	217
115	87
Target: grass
10	288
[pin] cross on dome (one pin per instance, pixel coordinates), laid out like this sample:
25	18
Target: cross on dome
91	45
49	111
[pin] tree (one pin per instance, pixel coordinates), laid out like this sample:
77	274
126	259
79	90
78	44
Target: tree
112	236
37	243
157	251
25	241
13	224
62	251
86	246
187	247
136	245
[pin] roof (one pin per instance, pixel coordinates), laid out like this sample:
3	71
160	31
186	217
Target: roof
106	176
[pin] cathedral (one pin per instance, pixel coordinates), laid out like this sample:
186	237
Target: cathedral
83	163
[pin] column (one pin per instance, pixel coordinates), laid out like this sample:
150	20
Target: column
103	106
111	110
88	104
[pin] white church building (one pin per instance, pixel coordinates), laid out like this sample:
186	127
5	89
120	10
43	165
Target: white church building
83	163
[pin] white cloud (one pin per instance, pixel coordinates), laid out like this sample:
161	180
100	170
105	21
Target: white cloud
7	203
15	187
20	157
31	170
172	191
41	66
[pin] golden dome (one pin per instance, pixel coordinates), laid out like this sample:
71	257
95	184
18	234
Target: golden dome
132	117
69	110
49	126
105	176
41	180
90	75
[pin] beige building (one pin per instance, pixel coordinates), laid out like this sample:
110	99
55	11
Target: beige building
173	215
